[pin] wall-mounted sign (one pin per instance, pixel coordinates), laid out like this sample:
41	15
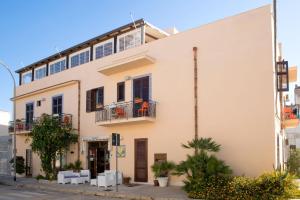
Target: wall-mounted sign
121	151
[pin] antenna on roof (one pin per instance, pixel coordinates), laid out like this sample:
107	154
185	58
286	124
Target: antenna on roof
58	51
131	16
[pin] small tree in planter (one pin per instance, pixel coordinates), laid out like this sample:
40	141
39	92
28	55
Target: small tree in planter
161	172
20	165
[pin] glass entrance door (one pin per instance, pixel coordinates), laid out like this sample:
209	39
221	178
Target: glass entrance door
98	158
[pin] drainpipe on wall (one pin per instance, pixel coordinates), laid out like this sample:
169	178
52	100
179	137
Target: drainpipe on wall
195	94
78	125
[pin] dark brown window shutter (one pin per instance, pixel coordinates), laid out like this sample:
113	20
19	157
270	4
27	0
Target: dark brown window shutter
89	101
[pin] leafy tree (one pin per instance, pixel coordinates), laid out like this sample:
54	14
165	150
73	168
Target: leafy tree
293	163
50	136
200	167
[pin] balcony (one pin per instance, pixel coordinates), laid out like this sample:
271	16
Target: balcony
291	116
123	63
23	127
128	112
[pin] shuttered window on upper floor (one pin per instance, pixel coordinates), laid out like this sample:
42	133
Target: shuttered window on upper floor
94	99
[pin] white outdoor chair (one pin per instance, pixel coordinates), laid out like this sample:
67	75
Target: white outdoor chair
107	179
85	175
120	175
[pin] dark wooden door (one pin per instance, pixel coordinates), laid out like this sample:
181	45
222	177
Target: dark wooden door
141	160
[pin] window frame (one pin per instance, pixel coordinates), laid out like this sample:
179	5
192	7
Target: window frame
29	121
137	31
86	58
55	62
25	74
119	99
44	67
91	99
103	44
62	103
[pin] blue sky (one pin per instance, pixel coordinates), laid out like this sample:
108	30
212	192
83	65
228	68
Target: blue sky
30	30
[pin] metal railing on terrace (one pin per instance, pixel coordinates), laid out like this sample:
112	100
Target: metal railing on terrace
26	125
126	111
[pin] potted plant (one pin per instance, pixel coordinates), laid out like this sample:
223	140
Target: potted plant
20	165
161	172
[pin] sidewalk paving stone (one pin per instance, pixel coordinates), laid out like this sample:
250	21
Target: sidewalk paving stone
138	192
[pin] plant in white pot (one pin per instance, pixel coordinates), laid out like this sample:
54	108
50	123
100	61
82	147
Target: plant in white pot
161	172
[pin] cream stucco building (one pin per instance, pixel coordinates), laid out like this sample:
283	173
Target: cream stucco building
138	80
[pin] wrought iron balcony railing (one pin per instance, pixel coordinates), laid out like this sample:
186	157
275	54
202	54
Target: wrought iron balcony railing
126	111
23	125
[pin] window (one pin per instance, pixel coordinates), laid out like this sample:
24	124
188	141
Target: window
130	40
40	73
94	99
58	67
57	106
104	49
29	115
121	91
39	103
80	58
27	77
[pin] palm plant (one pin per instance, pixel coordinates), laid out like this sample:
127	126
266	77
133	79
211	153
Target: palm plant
203	164
162	169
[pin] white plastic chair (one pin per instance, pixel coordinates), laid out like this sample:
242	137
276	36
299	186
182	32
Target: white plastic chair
107	179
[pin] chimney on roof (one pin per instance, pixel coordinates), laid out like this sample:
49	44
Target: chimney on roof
172	30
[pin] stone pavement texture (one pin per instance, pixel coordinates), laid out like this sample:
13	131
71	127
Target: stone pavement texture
15	193
138	192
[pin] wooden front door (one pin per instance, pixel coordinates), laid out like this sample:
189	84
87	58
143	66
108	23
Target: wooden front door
141	160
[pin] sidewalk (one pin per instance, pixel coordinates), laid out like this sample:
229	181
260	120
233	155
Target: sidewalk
138	192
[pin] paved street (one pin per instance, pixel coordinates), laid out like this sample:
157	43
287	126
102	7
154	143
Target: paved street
11	193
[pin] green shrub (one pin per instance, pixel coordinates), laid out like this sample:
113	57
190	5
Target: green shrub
202	166
275	185
39	177
20	164
270	186
162	169
293	162
212	188
73	166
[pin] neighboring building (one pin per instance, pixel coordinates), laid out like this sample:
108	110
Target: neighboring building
138	80
5	143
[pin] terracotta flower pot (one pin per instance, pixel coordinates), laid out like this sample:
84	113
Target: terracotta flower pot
156	184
